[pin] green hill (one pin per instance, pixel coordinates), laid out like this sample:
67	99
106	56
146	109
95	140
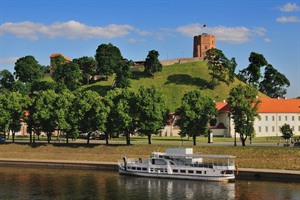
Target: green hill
174	81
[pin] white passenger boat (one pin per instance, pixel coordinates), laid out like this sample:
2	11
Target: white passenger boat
181	163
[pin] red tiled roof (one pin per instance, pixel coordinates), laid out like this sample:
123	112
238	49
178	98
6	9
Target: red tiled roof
59	54
269	105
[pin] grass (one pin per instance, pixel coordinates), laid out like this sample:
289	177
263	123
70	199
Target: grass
262	157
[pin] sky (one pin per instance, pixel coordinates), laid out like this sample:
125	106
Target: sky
76	29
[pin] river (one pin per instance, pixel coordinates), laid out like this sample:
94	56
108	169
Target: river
43	184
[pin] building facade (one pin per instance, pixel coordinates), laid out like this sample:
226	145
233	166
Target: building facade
202	43
273	113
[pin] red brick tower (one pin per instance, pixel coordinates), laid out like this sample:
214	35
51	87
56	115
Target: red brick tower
202	43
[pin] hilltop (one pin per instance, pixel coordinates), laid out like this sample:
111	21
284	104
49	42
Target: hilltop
174	81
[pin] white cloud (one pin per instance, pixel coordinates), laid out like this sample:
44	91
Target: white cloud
70	30
289	7
8	60
235	35
267	40
290	19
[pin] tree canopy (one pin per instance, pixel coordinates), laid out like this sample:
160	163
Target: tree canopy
287	132
221	69
243	108
108	58
274	83
195	113
151	109
88	67
152	64
27	69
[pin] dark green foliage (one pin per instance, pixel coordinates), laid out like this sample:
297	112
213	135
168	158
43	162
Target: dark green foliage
108	57
252	74
68	74
274	83
195	113
27	69
221	69
121	117
88	67
6	80
150	109
286	131
123	74
152	64
243	107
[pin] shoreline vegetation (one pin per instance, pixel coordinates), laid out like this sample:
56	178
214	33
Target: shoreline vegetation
263	153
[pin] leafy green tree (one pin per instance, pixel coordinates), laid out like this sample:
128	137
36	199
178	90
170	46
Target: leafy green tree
150	109
274	83
108	58
43	112
152	64
123	74
221	69
252	74
196	111
56	61
13	105
90	113
27	69
121	118
287	132
43	85
243	107
23	88
88	67
68	74
63	115
5	117
6	80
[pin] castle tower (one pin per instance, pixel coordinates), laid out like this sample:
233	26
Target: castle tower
202	43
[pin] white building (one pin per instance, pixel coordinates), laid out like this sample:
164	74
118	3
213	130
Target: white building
273	114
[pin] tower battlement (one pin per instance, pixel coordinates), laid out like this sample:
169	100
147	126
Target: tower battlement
202	43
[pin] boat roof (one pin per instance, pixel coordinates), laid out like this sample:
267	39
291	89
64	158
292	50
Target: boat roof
197	155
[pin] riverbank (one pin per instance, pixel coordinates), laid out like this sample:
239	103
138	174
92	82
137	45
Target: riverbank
243	173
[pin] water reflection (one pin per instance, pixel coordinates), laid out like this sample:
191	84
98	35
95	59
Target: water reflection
44	184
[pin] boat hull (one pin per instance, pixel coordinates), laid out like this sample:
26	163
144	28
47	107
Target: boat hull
122	171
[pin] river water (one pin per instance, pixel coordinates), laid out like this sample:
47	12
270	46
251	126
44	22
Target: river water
43	184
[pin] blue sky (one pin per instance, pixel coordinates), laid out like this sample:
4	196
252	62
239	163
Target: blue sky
76	28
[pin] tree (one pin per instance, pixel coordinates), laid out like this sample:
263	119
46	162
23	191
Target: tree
43	113
27	69
196	111
150	109
152	64
221	69
274	83
88	66
243	107
89	112
252	74
121	118
68	74
287	132
123	74
108	58
6	79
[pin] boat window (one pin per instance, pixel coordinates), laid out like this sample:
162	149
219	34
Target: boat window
182	171
138	168
158	162
198	172
175	170
133	168
144	169
190	171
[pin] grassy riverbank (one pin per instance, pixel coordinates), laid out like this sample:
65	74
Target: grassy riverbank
262	157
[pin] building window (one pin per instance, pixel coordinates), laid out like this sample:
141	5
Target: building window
293	118
266	118
298	128
298	118
279	118
266	129
273	129
273	118
259	129
286	118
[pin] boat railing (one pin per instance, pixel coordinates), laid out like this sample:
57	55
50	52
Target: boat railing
136	161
